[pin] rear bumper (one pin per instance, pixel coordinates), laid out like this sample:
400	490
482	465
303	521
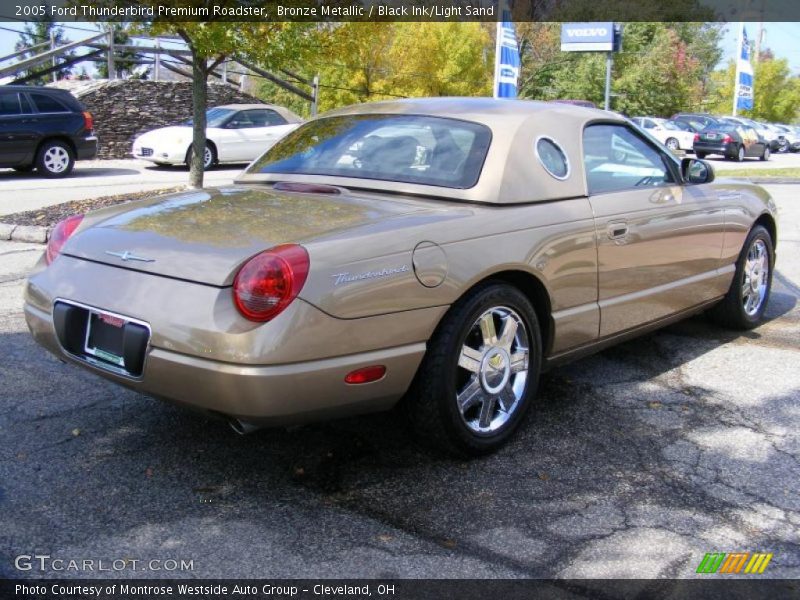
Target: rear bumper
710	148
203	354
262	395
86	147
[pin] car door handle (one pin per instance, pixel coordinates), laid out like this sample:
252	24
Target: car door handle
617	230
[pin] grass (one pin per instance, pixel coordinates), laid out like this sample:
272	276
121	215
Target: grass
788	173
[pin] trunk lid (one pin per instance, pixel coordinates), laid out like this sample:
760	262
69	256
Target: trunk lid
205	235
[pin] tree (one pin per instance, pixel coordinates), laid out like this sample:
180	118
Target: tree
365	62
37	32
124	61
776	95
663	67
442	59
212	42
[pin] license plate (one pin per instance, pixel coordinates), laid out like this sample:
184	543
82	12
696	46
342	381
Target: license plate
104	338
711	136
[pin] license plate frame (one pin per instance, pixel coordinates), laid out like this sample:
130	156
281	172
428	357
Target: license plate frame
92	345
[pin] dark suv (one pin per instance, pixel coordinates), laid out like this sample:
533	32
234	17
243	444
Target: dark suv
44	128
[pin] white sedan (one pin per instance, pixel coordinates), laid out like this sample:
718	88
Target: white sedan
235	133
666	132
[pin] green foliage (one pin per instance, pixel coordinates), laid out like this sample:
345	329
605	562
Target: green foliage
35	33
663	67
365	62
124	64
776	94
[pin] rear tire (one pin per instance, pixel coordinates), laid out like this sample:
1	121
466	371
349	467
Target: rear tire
744	305
739	154
672	144
479	374
55	159
700	155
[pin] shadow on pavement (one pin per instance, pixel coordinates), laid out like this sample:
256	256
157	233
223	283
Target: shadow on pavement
630	464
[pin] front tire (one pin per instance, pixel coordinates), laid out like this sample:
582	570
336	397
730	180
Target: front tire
55	159
744	305
765	153
209	157
480	372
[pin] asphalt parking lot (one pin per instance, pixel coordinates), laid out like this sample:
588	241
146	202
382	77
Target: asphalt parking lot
93	178
635	463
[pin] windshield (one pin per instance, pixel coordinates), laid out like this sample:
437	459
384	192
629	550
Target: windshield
215	117
404	148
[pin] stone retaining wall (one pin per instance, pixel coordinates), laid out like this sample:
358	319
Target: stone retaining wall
124	109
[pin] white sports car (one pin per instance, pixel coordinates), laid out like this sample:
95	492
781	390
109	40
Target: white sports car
666	132
235	133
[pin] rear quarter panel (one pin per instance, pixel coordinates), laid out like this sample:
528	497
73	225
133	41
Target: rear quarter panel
551	241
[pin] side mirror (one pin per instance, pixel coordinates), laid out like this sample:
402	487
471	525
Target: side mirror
695	170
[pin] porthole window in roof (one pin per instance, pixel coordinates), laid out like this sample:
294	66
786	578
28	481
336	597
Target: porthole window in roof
552	157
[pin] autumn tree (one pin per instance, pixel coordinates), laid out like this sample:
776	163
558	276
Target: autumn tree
365	62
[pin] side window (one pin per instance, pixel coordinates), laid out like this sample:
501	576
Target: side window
47	104
26	104
9	104
616	158
266	118
240	120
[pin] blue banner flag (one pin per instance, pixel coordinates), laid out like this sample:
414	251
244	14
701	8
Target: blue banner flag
743	94
506	62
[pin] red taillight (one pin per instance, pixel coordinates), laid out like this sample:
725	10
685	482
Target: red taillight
696	137
727	139
59	236
268	282
88	121
365	375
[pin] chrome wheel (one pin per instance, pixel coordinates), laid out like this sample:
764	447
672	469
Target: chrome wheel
208	158
672	144
493	370
56	159
756	277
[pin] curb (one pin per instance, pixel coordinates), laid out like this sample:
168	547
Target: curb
31	234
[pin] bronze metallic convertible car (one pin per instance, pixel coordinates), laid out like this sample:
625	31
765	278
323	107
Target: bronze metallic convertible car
442	252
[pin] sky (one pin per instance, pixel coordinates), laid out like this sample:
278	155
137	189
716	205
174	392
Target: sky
781	38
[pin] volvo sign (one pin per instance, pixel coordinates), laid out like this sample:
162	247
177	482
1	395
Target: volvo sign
590	37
